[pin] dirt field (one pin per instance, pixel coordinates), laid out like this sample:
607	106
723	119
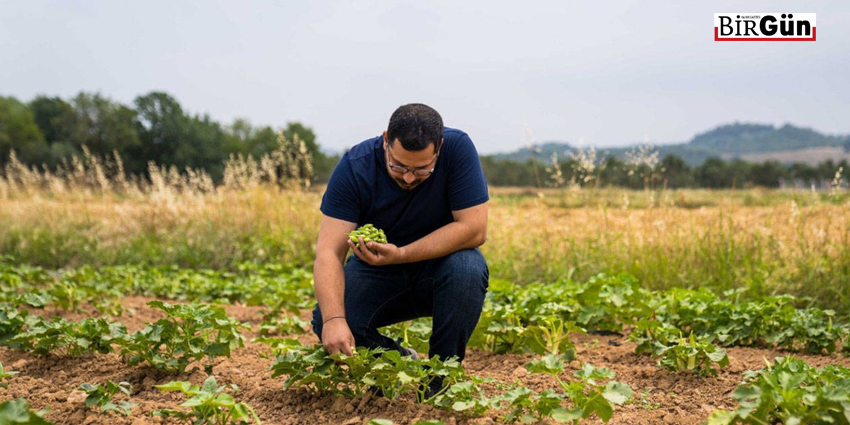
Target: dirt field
661	397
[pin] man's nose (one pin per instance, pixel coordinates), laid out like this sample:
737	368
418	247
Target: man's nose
409	177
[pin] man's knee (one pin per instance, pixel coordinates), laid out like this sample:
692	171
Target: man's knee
467	265
465	277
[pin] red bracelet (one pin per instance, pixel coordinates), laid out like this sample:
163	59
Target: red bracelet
335	317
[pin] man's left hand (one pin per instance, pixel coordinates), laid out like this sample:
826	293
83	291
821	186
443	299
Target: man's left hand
384	253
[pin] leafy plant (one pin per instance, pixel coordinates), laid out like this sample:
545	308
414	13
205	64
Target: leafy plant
209	403
467	396
4	375
647	333
387	371
790	392
16	412
415	334
283	325
552	336
187	334
586	394
310	365
12	322
71	338
102	396
767	321
691	354
395	374
86	285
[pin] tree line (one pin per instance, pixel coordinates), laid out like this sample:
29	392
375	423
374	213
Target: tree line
49	130
671	172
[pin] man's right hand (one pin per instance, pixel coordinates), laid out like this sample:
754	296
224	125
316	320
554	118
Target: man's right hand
337	337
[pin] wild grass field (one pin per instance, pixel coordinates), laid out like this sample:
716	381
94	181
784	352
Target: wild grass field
765	241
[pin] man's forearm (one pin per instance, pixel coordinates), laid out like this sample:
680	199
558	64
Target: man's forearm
443	241
329	281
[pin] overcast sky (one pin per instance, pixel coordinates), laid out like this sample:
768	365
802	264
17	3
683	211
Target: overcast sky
581	72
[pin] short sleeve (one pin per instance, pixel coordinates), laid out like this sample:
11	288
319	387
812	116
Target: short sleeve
341	199
467	186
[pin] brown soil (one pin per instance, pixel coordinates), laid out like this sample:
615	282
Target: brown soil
661	397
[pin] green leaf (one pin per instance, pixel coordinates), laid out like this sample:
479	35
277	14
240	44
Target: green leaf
722	417
617	392
599	405
181	386
462	405
563	415
404	378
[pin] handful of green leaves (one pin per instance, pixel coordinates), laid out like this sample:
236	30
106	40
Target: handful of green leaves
369	233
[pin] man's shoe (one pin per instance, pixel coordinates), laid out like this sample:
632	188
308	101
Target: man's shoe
434	388
404	351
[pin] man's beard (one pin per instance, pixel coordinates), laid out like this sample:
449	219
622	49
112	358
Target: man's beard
403	185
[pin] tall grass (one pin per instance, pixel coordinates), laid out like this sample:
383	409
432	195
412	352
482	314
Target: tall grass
764	241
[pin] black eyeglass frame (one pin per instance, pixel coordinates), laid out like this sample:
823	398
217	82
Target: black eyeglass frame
401	169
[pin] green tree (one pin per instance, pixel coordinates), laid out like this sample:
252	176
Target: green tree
677	173
19	132
162	127
57	121
206	146
103	126
54	117
713	173
768	173
739	173
614	172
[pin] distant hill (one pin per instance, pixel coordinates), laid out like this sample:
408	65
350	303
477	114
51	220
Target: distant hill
753	142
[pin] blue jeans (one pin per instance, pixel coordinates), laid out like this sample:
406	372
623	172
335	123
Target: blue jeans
450	289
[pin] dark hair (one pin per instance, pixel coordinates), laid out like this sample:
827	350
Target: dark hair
416	126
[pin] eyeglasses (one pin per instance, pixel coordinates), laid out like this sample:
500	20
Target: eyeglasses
418	172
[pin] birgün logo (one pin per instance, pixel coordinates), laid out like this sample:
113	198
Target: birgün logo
765	27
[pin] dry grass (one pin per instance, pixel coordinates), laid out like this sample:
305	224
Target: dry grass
766	241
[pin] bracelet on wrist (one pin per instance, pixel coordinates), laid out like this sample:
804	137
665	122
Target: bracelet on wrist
331	318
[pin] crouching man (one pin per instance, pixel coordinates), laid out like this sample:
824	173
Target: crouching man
423	185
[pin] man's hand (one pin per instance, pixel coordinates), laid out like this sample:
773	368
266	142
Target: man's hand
337	337
385	253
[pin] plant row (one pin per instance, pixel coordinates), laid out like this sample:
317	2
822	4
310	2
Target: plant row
790	392
208	403
393	375
187	334
279	288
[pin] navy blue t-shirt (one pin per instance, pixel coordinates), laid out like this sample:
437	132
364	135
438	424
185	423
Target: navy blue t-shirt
361	190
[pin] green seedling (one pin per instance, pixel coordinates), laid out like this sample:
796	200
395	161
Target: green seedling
4	375
187	334
209	404
59	336
16	412
587	395
693	355
101	396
